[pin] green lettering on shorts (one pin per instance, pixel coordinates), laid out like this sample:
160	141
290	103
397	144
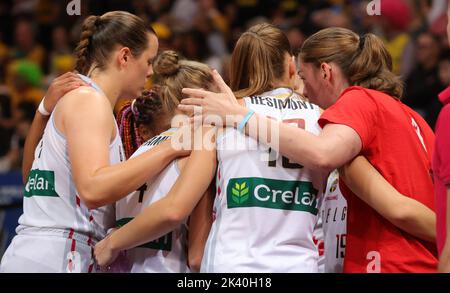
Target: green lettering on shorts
272	194
163	243
40	183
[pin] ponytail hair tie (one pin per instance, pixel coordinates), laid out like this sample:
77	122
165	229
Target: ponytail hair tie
134	110
97	21
362	40
147	94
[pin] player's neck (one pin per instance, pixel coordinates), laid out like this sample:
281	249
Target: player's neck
109	86
285	82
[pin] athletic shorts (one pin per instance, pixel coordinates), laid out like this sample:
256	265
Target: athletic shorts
36	250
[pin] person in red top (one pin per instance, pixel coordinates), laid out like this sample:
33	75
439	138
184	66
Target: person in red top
401	151
441	168
351	77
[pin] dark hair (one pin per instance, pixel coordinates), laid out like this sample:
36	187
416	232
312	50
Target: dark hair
141	111
445	55
364	60
27	20
101	33
172	74
258	59
5	105
28	109
436	38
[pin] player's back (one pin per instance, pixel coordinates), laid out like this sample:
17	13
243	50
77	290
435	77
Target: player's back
168	253
266	206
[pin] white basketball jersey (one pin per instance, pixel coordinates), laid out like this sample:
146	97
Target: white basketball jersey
332	227
51	200
265	207
168	253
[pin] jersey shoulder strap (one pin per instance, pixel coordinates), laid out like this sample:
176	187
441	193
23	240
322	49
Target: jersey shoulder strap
154	141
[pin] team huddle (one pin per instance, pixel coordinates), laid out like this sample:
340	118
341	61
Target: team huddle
270	181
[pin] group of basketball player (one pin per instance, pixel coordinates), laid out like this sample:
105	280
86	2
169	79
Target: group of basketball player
264	191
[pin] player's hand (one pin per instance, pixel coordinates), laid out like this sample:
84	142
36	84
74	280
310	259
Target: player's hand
103	252
61	86
181	141
210	105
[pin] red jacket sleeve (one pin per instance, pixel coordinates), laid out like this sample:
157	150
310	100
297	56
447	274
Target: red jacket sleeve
356	109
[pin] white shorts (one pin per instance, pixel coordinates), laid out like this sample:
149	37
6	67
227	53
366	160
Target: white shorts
49	251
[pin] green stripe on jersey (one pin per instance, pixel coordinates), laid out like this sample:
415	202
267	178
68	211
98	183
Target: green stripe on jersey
163	243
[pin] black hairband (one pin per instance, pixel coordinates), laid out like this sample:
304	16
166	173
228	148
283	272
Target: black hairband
97	21
362	40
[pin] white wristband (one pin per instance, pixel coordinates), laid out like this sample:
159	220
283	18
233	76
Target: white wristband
42	109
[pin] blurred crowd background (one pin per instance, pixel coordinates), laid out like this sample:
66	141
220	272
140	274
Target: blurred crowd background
37	38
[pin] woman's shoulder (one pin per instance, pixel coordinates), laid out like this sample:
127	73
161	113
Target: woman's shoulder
446	110
83	91
444	115
359	95
354	90
84	96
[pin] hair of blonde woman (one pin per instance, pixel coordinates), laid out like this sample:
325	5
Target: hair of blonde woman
258	60
363	60
172	74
